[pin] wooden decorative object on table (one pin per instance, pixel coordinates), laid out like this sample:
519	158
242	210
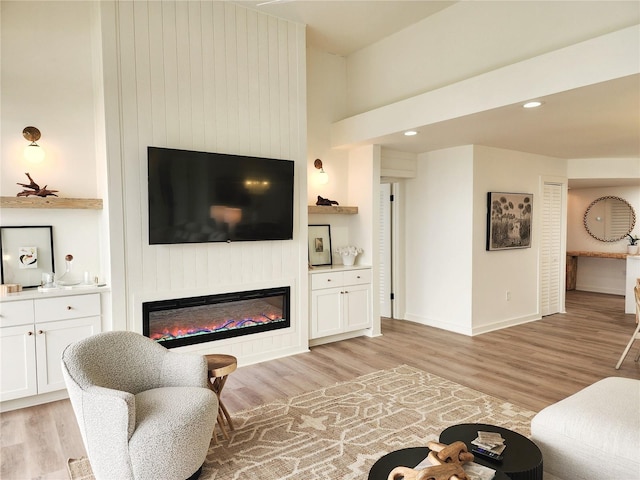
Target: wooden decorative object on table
455	453
35	189
10	288
447	471
446	461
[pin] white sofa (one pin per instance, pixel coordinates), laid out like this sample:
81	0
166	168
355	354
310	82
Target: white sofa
594	434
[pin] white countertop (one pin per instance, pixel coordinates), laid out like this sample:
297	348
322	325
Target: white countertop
337	268
33	293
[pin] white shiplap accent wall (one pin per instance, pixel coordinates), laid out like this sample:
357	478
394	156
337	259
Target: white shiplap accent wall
208	76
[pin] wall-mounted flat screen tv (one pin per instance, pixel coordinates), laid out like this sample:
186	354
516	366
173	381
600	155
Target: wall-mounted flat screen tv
199	197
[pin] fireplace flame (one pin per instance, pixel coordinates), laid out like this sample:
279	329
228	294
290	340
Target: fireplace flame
179	331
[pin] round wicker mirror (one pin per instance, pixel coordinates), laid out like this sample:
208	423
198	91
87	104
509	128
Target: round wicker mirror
609	219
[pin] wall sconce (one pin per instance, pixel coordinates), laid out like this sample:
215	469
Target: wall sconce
323	178
33	152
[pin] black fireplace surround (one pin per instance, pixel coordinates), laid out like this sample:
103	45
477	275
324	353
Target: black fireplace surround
187	321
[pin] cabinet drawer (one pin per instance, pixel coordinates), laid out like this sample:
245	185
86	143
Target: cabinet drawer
357	277
16	313
64	308
326	280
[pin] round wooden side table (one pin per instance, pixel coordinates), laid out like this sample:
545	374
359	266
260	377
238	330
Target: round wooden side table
219	367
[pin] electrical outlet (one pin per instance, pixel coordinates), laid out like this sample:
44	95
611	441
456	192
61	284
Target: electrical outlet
507	295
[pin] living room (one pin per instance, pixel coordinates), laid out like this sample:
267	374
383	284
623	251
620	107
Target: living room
112	79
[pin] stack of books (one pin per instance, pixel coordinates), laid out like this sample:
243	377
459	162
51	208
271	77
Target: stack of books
489	445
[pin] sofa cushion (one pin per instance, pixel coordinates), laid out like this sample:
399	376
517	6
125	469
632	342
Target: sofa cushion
594	433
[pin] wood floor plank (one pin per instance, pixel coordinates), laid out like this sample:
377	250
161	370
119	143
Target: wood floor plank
531	365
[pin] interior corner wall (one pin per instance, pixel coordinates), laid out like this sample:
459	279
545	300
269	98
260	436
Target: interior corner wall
364	190
217	77
452	282
438	240
515	270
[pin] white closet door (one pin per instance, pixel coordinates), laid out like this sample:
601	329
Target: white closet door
384	245
551	248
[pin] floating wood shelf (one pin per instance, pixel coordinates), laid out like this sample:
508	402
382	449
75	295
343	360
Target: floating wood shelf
51	202
621	256
333	209
572	264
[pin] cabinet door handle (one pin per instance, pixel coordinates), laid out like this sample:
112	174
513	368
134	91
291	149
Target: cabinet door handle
69	307
357	276
346	291
29	333
40	332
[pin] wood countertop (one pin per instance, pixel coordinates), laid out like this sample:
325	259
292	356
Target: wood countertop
621	256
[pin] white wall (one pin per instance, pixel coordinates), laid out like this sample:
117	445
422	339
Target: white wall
438	240
326	103
587	169
598	274
452	282
453	45
350	176
49	80
208	76
579	200
495	272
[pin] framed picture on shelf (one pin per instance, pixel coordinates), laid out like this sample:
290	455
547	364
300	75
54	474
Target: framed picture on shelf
319	245
27	253
509	220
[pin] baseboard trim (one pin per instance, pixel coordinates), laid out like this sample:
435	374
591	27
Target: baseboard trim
34	400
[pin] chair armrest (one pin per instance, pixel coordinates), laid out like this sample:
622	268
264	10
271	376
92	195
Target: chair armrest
111	407
183	370
108	421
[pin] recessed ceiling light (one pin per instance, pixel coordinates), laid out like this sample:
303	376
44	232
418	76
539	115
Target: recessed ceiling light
532	104
410	133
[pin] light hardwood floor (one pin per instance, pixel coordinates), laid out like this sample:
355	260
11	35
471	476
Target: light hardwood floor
531	365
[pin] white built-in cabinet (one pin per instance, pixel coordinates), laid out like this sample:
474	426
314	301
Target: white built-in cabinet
33	334
340	302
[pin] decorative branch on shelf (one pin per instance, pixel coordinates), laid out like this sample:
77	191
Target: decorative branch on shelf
35	189
326	201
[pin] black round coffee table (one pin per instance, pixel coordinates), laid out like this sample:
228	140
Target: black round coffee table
408	457
522	458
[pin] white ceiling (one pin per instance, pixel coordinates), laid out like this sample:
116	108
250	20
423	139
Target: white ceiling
597	121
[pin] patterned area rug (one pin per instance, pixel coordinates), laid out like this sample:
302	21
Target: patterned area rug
338	432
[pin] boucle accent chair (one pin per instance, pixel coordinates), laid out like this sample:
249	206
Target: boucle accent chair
593	434
144	412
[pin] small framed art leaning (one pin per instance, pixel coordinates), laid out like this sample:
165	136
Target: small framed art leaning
27	253
319	245
509	220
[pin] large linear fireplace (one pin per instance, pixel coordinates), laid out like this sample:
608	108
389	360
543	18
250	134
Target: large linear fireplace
186	321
